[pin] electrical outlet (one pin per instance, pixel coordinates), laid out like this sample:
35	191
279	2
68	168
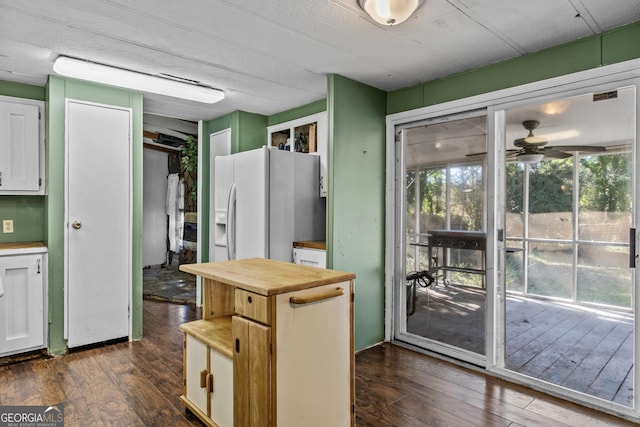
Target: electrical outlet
7	226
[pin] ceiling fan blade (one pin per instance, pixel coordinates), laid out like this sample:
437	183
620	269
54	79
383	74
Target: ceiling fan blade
576	148
476	154
530	141
509	153
535	140
555	154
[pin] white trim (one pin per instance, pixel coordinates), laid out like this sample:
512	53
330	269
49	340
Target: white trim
199	215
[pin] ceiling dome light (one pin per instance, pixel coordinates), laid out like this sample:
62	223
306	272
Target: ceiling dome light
390	12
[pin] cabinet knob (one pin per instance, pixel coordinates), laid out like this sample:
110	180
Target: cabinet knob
77	225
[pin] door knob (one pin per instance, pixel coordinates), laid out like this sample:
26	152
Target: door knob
77	225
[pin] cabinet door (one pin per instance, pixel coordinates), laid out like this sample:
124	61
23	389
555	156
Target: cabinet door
221	389
21	303
251	373
196	372
19	147
314	357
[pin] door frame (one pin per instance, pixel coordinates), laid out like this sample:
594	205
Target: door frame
628	71
68	101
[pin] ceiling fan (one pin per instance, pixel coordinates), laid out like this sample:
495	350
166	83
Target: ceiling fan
533	148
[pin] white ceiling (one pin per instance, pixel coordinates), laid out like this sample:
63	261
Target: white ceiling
270	56
577	120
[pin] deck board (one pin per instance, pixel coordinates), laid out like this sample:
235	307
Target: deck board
587	350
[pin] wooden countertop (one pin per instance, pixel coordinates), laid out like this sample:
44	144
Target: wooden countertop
215	332
311	244
22	248
266	276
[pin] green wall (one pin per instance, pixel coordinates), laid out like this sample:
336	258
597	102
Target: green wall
298	112
27	212
356	199
21	90
248	131
602	49
57	90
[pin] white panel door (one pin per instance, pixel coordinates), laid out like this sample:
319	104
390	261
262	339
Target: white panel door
98	218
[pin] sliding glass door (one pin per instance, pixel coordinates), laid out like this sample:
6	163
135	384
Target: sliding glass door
514	238
444	235
569	314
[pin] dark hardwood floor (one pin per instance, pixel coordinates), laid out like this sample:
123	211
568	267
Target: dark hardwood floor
139	383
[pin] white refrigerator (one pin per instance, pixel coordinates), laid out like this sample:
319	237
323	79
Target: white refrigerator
265	199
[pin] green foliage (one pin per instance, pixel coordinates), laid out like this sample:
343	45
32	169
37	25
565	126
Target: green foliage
551	186
515	186
189	160
606	183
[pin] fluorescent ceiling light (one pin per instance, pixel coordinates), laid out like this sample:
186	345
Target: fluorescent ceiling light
121	77
390	12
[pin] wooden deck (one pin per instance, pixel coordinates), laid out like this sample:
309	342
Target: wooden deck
584	349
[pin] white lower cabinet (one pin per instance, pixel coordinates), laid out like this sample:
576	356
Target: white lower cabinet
208	385
22	302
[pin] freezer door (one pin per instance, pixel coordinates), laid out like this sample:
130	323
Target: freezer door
251	172
296	211
224	166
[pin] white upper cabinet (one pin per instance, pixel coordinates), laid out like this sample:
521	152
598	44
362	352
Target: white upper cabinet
21	146
306	135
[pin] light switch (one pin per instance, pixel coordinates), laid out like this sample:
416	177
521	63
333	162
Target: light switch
7	226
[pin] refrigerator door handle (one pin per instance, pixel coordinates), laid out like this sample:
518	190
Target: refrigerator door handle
231	223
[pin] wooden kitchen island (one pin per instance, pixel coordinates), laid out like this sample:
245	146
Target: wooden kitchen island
275	346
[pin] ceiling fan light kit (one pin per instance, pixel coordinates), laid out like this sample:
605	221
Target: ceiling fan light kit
120	77
390	12
530	157
533	149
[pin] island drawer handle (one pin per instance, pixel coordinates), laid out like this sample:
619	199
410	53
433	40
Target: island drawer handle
317	297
